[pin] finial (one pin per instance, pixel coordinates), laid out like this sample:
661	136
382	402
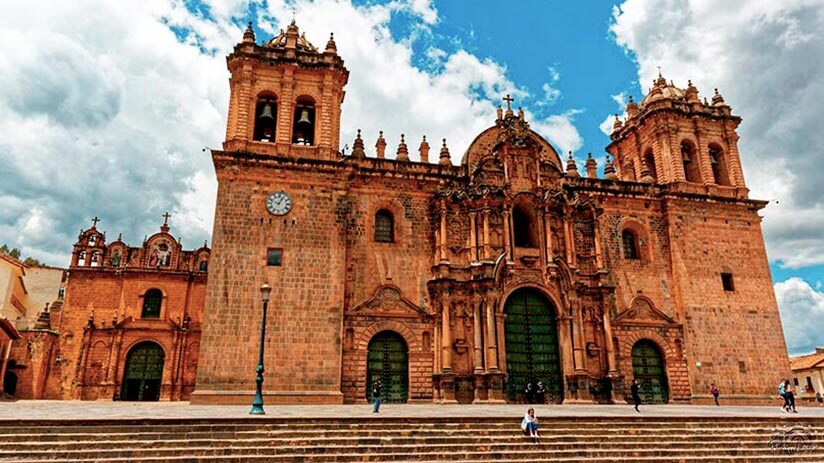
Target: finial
591	167
500	113
357	147
508	100
520	113
249	34
120	237
403	152
444	157
380	146
94	222
166	218
205	243
717	99
331	47
659	72
609	170
424	150
572	169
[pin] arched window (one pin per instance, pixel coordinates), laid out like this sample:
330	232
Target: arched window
95	261
384	227
303	125
692	171
266	113
152	301
92	240
649	160
524	226
81	258
718	162
203	266
630	244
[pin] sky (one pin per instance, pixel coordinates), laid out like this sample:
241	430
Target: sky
105	110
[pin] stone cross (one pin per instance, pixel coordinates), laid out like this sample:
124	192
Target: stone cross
94	222
508	100
166	218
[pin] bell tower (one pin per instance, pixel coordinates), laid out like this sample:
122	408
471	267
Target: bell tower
286	96
672	136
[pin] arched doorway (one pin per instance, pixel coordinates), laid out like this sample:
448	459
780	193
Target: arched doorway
10	383
143	373
532	353
387	360
648	369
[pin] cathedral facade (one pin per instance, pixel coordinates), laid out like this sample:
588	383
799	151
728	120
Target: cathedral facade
465	281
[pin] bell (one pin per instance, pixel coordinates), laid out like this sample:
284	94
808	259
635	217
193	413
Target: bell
686	155
304	117
267	112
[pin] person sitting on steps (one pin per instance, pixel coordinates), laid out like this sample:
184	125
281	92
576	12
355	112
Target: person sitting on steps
530	424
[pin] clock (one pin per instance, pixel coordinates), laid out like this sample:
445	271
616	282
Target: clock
279	203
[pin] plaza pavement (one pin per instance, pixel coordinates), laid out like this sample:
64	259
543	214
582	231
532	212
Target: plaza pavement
77	410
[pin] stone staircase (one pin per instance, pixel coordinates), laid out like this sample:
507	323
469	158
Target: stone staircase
383	439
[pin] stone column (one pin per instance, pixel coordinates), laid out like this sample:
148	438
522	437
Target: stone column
569	240
578	336
473	237
548	230
446	339
436	338
487	245
508	232
491	338
478	347
443	233
612	371
599	256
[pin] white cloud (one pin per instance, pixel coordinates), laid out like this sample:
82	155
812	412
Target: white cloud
104	110
763	56
802	314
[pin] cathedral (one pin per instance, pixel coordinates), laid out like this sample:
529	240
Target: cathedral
451	277
463	277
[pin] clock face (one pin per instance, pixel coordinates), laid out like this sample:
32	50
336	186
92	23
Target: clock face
279	203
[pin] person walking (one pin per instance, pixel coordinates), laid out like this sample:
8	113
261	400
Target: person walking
789	396
530	424
819	399
635	391
781	392
540	393
714	391
376	396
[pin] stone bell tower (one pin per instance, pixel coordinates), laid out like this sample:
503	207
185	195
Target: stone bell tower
286	96
673	136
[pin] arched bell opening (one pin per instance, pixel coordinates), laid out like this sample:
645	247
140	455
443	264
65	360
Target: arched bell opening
692	170
718	161
303	125
266	112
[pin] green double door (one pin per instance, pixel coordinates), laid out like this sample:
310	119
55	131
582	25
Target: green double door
531	335
648	369
143	374
387	360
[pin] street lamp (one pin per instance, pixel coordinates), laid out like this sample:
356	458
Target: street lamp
257	402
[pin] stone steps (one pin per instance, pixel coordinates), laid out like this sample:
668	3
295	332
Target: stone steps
379	439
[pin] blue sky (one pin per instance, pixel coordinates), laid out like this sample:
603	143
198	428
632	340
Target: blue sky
133	95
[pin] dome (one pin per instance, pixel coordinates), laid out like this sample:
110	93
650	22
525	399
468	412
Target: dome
661	90
280	40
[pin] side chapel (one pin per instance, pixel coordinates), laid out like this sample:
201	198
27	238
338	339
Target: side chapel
462	283
129	326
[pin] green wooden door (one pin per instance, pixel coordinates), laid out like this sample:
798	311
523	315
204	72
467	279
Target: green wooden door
648	369
387	361
143	373
531	335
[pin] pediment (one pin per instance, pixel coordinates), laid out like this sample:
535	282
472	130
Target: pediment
642	310
388	301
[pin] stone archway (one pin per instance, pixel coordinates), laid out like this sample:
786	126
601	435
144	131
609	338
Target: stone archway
532	347
648	368
143	373
10	383
388	360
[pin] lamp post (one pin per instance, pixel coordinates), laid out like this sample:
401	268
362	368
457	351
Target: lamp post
257	402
